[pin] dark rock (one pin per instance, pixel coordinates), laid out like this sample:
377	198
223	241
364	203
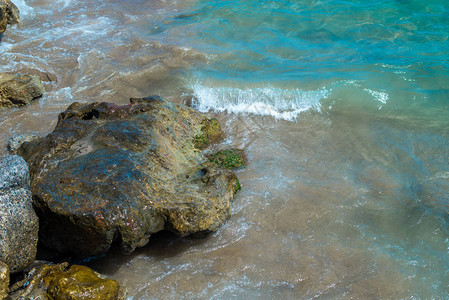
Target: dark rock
17	140
121	173
4	280
18	222
19	90
56	282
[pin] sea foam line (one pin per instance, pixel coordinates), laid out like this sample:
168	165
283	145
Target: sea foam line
266	101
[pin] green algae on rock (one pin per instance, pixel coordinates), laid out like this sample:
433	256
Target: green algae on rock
18	89
229	159
111	173
210	133
81	282
56	282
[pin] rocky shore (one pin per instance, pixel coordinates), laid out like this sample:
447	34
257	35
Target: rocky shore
110	174
106	175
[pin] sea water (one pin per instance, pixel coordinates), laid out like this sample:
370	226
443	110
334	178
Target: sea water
341	106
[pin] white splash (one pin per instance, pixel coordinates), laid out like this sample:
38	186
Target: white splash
266	101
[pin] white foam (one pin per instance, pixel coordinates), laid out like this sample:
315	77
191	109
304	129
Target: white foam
266	101
24	9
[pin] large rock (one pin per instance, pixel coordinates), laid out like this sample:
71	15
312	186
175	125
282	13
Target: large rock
19	224
9	14
19	90
56	282
121	173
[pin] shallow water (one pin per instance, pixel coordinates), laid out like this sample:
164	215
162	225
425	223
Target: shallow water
342	107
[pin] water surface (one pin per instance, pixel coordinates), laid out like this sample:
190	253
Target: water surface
342	107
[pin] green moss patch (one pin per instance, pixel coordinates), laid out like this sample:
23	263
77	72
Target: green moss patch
229	159
238	187
210	134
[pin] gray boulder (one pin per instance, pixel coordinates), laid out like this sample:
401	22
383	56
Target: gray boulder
19	224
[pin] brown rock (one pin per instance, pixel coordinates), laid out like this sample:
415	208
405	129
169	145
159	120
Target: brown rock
56	282
9	14
121	173
4	280
19	90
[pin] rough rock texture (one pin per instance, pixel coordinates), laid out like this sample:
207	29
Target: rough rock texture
4	280
9	14
17	140
55	282
110	173
19	90
19	224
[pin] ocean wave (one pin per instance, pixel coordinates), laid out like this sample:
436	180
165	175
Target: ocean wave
264	101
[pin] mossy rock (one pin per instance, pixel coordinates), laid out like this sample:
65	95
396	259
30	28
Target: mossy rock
210	134
81	282
56	282
229	159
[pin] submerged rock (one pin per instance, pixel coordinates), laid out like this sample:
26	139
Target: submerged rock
19	90
56	282
19	224
4	280
9	15
121	173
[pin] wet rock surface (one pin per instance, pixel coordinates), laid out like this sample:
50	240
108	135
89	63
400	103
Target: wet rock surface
60	282
4	280
113	173
9	15
18	90
19	224
17	140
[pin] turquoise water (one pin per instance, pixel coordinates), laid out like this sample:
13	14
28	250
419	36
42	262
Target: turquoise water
377	74
341	106
393	52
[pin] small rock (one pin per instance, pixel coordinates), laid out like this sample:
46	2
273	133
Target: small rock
19	224
9	15
43	75
56	282
17	140
4	280
81	282
19	90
